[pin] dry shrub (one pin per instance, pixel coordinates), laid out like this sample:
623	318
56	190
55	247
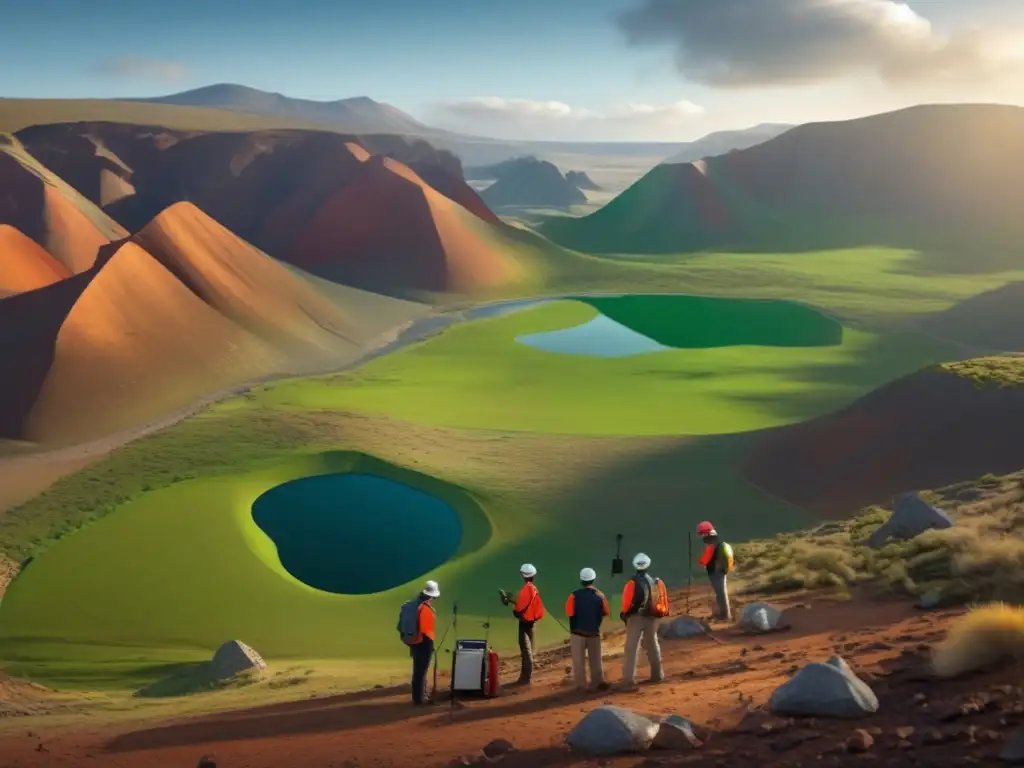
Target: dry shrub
984	637
980	559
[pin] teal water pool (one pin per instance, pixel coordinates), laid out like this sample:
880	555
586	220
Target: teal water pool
357	534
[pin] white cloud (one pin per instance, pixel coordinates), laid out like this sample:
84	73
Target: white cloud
528	118
776	42
141	67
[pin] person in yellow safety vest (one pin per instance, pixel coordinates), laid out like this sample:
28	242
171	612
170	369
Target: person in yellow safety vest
717	558
644	604
529	609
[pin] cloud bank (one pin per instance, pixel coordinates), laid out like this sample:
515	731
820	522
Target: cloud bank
143	68
735	43
522	117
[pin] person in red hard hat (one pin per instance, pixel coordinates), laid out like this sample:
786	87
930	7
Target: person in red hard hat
717	559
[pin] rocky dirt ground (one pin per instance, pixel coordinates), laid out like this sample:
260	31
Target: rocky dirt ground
720	686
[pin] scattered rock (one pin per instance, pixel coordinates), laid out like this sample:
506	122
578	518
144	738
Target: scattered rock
207	761
911	517
1013	752
497	748
760	618
904	744
824	690
930	600
684	626
905	732
610	730
675	732
233	658
860	741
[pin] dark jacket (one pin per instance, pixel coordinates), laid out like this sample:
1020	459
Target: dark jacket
586	609
636	596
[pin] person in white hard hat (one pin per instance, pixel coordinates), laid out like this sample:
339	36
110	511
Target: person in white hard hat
644	603
586	609
529	609
421	647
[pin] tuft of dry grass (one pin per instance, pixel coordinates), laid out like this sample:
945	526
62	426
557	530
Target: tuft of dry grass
985	636
980	559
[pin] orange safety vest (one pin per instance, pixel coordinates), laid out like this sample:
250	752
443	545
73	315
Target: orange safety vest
707	554
529	606
426	620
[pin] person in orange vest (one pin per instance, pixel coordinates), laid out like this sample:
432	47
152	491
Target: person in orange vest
586	609
529	609
644	604
421	646
717	559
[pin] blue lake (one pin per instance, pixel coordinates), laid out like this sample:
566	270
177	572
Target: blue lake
357	534
600	337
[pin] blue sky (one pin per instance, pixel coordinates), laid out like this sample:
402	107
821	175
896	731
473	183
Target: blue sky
558	69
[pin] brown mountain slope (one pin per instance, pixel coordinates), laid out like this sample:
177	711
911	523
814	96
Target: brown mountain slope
930	429
41	205
137	342
243	284
945	178
264	186
388	229
145	332
24	266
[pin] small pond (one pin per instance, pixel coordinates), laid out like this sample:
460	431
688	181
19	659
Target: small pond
357	534
640	324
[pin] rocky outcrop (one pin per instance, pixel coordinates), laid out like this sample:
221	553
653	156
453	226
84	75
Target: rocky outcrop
825	690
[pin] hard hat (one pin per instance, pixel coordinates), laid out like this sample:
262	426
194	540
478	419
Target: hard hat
641	562
705	529
588	574
528	570
430	589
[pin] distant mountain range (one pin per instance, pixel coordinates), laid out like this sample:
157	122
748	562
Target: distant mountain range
720	142
363	115
359	114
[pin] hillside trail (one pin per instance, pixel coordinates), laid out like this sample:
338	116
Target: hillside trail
720	686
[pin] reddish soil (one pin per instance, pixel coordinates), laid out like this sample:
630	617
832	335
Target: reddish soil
719	686
927	430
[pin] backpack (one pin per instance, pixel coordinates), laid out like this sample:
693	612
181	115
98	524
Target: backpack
409	621
656	600
730	558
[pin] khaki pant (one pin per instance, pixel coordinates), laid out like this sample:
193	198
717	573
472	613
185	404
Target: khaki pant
720	584
645	629
586	649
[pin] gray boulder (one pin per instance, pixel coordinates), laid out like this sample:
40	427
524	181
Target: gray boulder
682	627
676	732
612	730
760	618
824	690
911	517
233	658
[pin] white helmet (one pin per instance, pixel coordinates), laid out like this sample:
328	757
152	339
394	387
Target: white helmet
527	570
641	562
588	574
430	589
